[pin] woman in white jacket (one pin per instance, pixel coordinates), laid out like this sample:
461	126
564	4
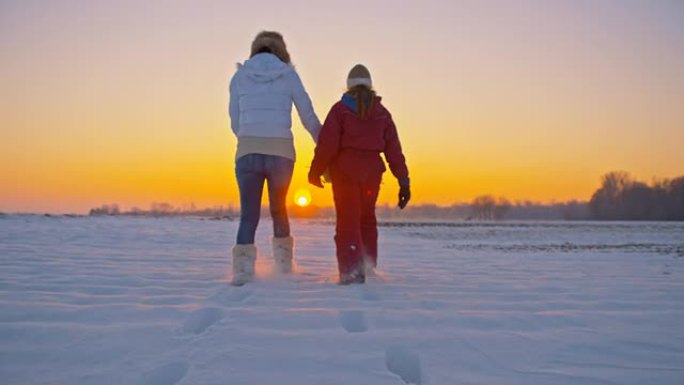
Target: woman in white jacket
262	92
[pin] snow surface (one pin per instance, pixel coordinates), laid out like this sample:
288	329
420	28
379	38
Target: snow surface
146	301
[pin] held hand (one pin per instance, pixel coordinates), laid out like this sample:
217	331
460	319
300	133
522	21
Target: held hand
326	176
404	196
315	180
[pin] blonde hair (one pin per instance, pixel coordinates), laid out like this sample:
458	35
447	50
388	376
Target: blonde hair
273	42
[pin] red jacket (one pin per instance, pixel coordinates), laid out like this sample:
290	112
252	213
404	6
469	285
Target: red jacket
350	144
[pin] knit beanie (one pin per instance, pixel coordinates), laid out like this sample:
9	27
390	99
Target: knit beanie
359	76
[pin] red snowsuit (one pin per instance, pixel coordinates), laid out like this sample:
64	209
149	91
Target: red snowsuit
350	147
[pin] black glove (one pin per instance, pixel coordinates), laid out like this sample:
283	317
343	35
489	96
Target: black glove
315	179
404	196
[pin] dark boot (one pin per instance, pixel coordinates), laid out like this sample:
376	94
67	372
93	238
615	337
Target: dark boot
349	262
356	276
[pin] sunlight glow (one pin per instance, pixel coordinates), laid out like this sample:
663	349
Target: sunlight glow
302	198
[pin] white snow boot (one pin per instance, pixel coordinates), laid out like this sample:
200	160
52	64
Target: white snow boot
244	257
283	255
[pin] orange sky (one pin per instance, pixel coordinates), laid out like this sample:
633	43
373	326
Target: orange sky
122	102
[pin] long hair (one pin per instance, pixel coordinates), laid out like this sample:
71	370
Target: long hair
270	41
364	97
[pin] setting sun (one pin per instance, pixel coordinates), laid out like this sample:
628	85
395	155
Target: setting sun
302	198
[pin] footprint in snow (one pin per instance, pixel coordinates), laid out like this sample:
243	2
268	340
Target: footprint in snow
367	293
353	321
405	363
200	320
167	374
231	294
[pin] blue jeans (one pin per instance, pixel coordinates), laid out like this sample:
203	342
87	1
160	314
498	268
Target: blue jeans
251	171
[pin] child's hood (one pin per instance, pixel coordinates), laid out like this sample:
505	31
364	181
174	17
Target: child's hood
350	102
265	67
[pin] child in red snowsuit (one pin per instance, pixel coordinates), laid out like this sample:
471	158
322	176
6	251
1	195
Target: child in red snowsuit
357	129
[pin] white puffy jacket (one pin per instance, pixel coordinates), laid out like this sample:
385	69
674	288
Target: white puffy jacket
261	95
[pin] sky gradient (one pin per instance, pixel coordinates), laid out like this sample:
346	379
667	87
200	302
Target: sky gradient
126	102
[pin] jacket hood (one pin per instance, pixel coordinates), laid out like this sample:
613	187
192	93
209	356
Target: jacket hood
350	102
265	67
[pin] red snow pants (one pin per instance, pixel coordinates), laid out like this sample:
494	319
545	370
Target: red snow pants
356	231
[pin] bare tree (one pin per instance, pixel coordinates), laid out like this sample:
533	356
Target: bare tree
502	207
110	209
483	207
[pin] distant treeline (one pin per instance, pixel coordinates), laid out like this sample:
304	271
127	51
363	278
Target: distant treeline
619	198
482	208
167	209
623	198
487	207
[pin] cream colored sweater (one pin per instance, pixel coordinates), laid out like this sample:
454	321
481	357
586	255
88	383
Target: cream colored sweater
268	146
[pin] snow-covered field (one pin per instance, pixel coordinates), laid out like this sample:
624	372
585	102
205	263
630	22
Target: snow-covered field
146	301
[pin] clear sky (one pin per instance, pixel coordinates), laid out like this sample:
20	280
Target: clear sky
126	101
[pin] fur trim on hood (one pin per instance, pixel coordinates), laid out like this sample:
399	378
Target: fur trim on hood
274	42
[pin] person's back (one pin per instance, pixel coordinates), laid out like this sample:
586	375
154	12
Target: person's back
364	132
363	138
265	88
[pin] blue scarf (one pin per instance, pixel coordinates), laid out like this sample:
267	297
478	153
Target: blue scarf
349	101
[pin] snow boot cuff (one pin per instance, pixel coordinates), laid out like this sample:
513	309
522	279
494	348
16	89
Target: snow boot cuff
283	254
244	257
